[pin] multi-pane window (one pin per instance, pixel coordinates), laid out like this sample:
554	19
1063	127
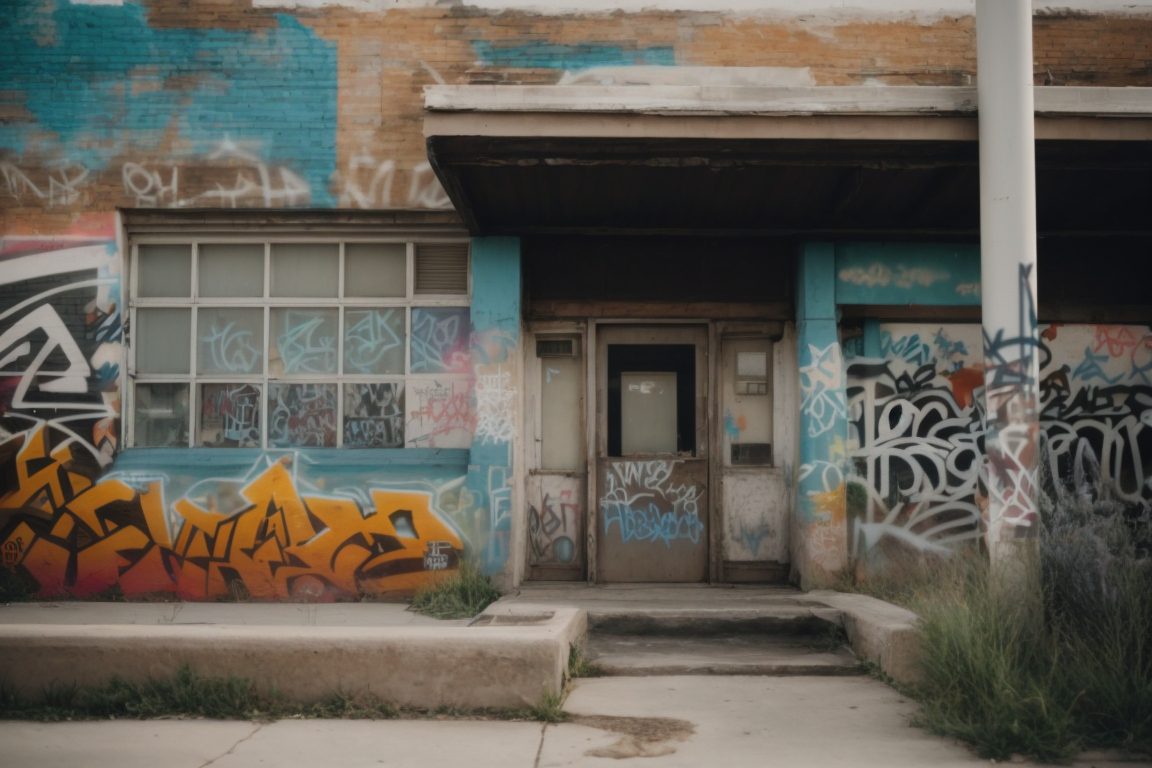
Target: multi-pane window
297	344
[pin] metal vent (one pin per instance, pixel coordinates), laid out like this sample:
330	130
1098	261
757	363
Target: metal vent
556	347
441	268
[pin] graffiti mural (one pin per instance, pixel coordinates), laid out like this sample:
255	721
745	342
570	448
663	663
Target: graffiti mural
266	534
61	342
644	501
556	522
918	474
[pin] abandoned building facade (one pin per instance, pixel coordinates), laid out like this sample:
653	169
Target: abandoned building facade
311	299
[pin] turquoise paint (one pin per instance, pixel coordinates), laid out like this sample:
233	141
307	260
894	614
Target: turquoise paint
823	391
908	273
101	84
496	301
544	55
816	282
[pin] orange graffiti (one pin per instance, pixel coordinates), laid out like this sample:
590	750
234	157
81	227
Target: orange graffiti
270	542
830	506
964	382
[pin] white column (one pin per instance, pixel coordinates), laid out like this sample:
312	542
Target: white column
1008	272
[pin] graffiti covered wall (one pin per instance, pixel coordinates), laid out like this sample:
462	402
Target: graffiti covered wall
916	448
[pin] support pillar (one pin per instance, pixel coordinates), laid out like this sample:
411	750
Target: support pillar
1008	274
495	352
820	551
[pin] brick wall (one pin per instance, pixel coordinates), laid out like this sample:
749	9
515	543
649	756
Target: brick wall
213	104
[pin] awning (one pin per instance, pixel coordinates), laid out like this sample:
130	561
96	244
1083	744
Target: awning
797	161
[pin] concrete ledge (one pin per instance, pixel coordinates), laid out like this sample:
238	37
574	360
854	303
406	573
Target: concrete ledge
879	632
499	665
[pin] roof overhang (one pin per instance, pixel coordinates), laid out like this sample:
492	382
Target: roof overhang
810	161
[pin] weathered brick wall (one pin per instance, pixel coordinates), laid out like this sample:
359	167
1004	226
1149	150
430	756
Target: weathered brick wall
217	104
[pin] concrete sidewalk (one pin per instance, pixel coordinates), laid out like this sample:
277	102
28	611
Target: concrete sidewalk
700	722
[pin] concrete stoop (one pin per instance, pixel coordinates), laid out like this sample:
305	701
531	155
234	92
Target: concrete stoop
511	657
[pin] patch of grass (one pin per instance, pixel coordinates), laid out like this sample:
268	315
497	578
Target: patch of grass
345	706
550	709
185	693
460	595
579	665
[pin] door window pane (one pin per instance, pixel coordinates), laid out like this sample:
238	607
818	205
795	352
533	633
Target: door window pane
374	415
561	417
163	340
229	415
161	415
301	415
648	412
230	341
303	341
164	270
440	340
231	270
376	269
374	341
305	269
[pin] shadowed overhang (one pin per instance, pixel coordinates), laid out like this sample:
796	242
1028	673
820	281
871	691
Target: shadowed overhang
806	162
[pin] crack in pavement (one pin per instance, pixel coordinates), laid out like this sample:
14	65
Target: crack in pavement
232	748
540	746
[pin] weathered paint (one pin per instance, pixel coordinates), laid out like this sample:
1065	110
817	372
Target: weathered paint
756	516
556	520
101	85
821	549
907	273
545	55
495	345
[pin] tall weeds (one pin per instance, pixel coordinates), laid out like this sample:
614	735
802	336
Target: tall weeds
1048	670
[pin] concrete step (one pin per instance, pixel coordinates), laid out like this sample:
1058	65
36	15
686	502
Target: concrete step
788	637
735	654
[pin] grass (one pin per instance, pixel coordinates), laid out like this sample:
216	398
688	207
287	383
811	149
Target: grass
580	665
1050	669
460	595
187	694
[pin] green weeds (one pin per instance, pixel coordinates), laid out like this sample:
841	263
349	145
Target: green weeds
1056	667
459	595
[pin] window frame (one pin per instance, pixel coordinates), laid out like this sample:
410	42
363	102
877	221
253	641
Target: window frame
409	302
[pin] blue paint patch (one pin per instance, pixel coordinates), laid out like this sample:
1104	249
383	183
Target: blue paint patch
542	55
100	84
908	273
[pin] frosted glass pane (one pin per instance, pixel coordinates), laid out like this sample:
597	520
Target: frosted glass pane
440	340
232	270
305	269
647	413
229	416
374	341
161	415
230	340
561	428
374	415
162	338
303	341
164	270
375	269
301	415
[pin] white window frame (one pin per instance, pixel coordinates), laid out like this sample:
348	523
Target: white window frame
410	301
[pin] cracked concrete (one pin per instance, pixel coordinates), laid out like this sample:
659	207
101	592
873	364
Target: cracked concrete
661	722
